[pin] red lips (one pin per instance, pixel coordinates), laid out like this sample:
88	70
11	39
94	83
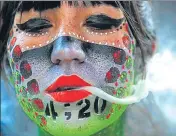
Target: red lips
66	89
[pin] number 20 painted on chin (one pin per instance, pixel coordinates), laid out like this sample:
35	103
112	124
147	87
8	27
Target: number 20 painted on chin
82	112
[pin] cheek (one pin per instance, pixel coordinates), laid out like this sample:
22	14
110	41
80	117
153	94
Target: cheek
119	58
15	57
120	76
21	70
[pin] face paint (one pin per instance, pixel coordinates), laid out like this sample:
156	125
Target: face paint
23	91
52	72
38	104
32	87
112	75
12	43
57	99
25	69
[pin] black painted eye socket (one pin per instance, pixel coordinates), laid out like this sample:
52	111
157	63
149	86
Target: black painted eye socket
35	25
102	22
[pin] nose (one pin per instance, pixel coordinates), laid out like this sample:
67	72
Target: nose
67	49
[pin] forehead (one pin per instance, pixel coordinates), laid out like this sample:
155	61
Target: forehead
68	9
44	5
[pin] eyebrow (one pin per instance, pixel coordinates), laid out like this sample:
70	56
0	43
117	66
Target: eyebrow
45	5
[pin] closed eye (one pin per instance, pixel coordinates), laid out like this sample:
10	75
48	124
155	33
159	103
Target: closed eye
102	22
35	25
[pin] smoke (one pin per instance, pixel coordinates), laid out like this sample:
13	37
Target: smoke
162	72
161	81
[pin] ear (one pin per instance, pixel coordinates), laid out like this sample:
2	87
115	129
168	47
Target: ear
6	69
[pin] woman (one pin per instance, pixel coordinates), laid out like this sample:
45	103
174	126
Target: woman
74	65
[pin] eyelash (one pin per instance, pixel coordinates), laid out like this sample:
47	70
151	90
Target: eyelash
98	27
93	24
35	26
112	29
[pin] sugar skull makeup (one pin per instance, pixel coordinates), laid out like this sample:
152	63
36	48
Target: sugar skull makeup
72	71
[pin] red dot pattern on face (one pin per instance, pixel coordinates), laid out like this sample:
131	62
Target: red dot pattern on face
12	43
22	78
36	114
43	121
126	27
25	69
117	42
114	92
116	56
119	56
108	75
123	67
116	83
38	104
126	40
16	53
33	87
17	66
112	75
108	116
17	50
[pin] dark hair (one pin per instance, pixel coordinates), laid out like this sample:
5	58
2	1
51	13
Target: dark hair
138	14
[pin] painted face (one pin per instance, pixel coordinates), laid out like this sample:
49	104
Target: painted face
55	53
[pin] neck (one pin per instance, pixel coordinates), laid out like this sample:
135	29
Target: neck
116	129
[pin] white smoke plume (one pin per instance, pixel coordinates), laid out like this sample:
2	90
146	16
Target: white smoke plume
161	81
162	72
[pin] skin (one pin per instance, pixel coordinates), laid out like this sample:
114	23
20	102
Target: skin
37	61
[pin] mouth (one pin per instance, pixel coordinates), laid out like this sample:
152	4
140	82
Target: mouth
67	89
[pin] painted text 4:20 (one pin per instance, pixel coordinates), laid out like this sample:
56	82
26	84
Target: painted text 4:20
83	112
